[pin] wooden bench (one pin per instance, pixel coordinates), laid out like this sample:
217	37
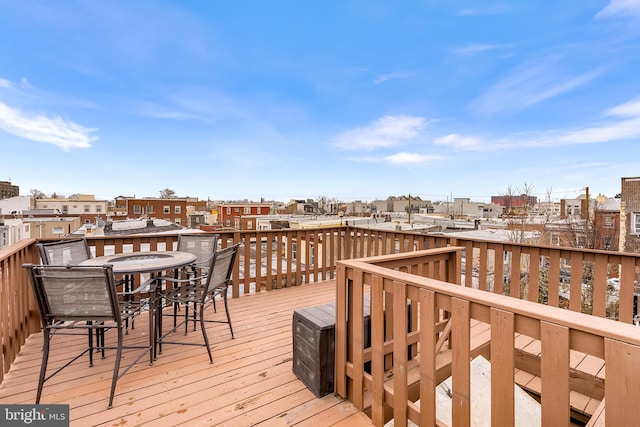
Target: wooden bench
586	376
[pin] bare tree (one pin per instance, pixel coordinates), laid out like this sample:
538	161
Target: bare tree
37	194
519	207
323	202
167	193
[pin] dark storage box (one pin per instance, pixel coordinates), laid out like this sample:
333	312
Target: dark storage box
313	347
314	343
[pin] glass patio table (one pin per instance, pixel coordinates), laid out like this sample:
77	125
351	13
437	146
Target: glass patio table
152	262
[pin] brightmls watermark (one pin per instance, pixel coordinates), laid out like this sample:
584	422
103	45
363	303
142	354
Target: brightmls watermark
34	415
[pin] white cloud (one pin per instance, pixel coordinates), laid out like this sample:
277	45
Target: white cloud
381	78
529	85
388	131
625	125
457	141
495	9
475	48
411	158
628	109
620	7
51	130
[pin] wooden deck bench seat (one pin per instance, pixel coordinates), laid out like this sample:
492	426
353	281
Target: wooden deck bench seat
586	376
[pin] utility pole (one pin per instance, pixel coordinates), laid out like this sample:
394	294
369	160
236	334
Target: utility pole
586	223
409	208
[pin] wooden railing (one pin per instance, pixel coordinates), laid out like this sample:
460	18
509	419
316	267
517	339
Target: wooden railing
295	257
403	297
571	278
18	313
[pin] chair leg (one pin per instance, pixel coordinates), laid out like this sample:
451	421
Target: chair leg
116	367
43	366
226	309
195	318
90	335
204	333
186	318
158	340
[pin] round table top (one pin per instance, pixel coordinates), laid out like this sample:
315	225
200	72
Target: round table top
142	262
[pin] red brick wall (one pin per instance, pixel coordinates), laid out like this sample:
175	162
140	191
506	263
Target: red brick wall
631	199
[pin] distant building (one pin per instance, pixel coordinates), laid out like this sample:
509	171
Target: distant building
402	204
606	224
85	206
547	209
301	207
13	230
173	210
16	205
8	190
230	214
630	215
462	207
514	203
52	227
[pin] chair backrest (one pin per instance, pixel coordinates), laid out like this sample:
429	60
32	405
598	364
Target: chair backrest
201	245
221	268
75	293
64	252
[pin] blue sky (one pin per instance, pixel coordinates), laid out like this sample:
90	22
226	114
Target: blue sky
297	99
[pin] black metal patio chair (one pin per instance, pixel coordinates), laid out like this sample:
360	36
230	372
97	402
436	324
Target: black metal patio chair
84	298
73	252
199	292
64	252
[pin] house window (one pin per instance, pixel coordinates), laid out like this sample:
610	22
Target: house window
608	222
65	208
247	210
555	240
149	209
249	225
87	208
229	210
58	230
26	229
137	209
635	226
294	251
176	220
166	209
98	208
236	209
176	210
228	223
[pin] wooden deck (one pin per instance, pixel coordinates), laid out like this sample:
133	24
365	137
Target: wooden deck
250	383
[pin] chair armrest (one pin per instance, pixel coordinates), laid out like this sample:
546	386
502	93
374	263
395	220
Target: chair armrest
179	281
148	285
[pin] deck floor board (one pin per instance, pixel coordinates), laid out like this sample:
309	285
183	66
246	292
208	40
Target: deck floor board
251	381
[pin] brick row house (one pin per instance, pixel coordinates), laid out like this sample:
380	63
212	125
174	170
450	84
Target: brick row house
241	215
173	210
630	215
